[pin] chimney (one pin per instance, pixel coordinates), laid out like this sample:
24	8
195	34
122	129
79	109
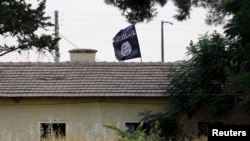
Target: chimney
82	55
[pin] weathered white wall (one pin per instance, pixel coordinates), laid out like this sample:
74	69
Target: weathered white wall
84	117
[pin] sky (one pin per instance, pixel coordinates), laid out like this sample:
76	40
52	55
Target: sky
92	24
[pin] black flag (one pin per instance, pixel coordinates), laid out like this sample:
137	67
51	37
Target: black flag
126	44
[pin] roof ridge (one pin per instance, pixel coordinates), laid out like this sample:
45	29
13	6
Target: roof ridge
86	63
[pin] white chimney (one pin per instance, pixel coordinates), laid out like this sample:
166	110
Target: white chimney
82	55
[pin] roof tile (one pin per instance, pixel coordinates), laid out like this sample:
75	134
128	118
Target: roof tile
69	79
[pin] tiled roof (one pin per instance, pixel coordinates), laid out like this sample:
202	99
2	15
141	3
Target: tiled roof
69	79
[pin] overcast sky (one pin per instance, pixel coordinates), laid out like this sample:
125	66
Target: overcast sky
92	24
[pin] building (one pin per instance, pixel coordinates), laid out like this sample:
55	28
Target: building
74	99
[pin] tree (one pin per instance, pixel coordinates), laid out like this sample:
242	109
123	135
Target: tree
237	31
200	84
145	10
137	10
19	20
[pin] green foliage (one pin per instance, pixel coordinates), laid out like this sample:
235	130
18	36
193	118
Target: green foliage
199	87
206	72
237	31
208	65
137	10
169	126
240	87
139	134
19	20
213	15
239	83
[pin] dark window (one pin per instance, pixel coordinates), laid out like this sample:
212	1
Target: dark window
52	130
131	126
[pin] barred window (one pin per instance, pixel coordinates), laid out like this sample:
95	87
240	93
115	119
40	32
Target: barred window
52	130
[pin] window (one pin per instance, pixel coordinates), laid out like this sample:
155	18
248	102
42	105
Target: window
52	130
131	126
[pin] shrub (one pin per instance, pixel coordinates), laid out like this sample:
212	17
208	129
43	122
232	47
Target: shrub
139	134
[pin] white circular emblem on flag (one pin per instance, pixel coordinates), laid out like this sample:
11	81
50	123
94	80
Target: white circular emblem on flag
126	49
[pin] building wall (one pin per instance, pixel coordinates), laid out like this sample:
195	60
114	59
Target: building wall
84	117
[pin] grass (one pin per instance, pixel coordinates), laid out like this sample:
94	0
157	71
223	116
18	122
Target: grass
202	138
112	137
63	139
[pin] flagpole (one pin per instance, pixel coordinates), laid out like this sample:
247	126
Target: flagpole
162	39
